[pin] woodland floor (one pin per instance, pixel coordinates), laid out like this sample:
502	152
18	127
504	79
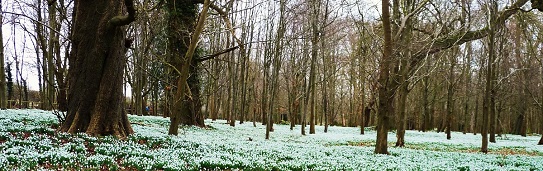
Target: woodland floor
28	141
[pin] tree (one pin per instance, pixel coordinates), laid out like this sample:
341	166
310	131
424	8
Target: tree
183	65
61	63
451	83
488	96
386	97
276	66
388	84
316	31
95	98
3	97
48	60
9	83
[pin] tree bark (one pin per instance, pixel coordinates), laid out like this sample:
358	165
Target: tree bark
425	126
53	37
487	106
386	89
520	122
181	109
95	97
450	93
315	10
467	73
400	120
3	97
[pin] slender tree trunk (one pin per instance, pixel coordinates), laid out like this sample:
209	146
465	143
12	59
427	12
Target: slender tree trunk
520	122
467	73
42	67
276	66
450	94
426	121
400	121
315	10
231	108
3	97
305	90
487	107
492	110
326	62
95	97
52	4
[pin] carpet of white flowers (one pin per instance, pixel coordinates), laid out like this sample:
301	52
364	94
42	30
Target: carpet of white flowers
28	141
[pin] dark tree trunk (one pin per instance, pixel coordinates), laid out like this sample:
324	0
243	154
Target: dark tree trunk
520	125
487	106
450	93
425	104
182	17
400	120
386	90
97	61
192	102
367	115
3	97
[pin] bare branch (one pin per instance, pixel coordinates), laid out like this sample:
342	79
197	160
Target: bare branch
208	57
461	37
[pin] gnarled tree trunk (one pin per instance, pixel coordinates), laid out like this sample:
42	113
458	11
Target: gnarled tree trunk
95	97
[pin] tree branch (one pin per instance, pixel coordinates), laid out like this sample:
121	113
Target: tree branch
227	21
122	20
461	37
208	57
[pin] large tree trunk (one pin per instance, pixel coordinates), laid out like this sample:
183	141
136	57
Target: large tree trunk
386	89
95	97
182	47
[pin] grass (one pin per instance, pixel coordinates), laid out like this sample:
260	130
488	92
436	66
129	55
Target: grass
28	141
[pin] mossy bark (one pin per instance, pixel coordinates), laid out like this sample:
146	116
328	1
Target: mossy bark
181	26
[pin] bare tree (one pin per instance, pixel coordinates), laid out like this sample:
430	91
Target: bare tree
386	107
3	97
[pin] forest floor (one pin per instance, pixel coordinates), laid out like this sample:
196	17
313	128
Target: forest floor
28	141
